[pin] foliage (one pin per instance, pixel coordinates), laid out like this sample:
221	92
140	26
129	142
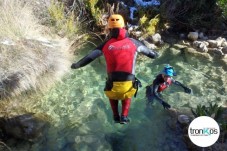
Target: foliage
223	5
213	110
189	14
95	11
64	23
56	11
150	26
143	20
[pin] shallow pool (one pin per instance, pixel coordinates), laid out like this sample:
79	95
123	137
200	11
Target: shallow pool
82	117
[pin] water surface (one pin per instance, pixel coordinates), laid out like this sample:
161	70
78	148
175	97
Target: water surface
82	117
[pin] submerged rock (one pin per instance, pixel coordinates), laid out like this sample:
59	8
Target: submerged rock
26	127
183	119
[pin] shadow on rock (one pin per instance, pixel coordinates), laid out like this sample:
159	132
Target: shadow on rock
26	127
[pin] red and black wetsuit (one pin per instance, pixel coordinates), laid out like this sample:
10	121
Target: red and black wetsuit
120	53
159	85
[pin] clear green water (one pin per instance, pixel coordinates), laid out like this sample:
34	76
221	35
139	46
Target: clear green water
82	117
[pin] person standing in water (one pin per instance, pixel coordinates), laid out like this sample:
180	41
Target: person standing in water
160	83
120	53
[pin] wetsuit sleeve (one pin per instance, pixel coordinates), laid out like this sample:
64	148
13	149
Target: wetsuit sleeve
87	59
155	92
186	89
141	48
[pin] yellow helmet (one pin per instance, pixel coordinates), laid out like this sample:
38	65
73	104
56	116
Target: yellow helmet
116	21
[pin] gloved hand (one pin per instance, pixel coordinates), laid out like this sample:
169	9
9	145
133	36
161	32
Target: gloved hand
75	66
165	105
187	90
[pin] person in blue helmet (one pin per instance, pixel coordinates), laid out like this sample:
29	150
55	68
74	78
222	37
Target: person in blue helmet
160	83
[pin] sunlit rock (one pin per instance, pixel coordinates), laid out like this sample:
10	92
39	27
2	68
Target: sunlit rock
224	44
185	43
197	53
220	41
156	38
213	43
200	46
175	51
179	46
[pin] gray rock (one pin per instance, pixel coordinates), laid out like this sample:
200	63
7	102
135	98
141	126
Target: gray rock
224	44
201	46
193	36
179	46
212	43
183	119
220	40
224	50
215	51
156	38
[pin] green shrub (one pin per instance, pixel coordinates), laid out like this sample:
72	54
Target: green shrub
95	11
143	20
223	5
213	110
150	26
64	24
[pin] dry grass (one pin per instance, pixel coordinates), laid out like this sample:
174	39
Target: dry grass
17	20
28	60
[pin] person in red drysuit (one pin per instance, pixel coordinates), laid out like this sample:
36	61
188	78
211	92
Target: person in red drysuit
160	83
120	54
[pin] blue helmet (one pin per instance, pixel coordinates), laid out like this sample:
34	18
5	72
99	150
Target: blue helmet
169	71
